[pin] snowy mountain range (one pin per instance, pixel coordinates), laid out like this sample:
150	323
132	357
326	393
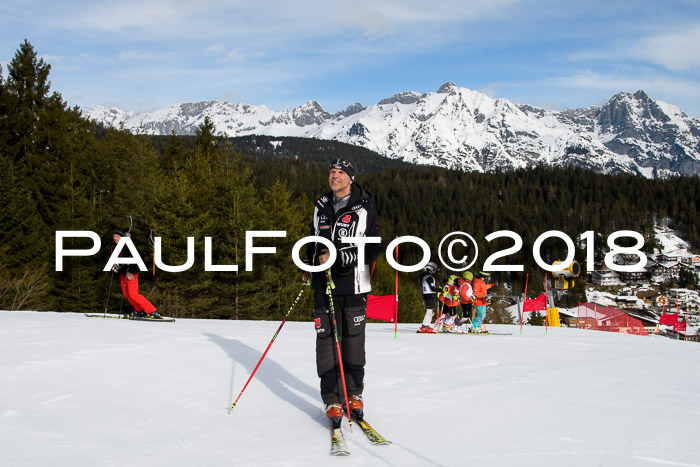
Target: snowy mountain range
460	128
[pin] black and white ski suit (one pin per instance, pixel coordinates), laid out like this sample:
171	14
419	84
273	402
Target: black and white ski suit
357	219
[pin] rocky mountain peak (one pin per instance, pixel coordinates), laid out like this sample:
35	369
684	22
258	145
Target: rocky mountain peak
632	115
447	88
402	98
350	110
310	113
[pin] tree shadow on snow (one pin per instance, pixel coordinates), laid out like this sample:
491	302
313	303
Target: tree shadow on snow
272	375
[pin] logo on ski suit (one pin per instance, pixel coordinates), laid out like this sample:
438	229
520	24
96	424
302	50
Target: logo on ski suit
317	323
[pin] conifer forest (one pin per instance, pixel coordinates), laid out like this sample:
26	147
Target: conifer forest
61	172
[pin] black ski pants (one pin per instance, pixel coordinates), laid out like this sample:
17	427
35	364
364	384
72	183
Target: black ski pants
351	317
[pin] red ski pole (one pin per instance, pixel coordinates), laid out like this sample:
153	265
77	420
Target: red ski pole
329	282
270	344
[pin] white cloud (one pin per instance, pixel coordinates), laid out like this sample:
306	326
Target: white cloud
315	44
644	81
235	55
129	15
374	25
174	19
492	89
438	11
53	59
61	63
678	51
218	49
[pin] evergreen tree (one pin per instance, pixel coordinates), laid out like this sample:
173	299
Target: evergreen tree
206	143
235	210
48	145
27	90
23	279
4	115
278	278
174	156
536	319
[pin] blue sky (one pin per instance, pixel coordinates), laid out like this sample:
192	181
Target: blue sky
143	56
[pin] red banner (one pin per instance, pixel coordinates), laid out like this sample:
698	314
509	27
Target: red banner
535	304
382	308
668	318
679	327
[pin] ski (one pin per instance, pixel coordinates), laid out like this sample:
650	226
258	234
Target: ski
488	333
153	320
100	315
372	435
338	445
132	318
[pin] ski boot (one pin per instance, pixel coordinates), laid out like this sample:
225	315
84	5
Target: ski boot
334	412
356	407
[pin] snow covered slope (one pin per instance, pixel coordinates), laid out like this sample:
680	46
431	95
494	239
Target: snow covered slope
90	391
460	128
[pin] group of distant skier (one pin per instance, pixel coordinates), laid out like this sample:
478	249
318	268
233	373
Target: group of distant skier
460	303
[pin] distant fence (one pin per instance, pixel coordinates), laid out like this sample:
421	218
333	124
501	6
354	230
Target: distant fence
605	318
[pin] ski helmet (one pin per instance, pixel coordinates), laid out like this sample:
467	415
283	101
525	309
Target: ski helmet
430	267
